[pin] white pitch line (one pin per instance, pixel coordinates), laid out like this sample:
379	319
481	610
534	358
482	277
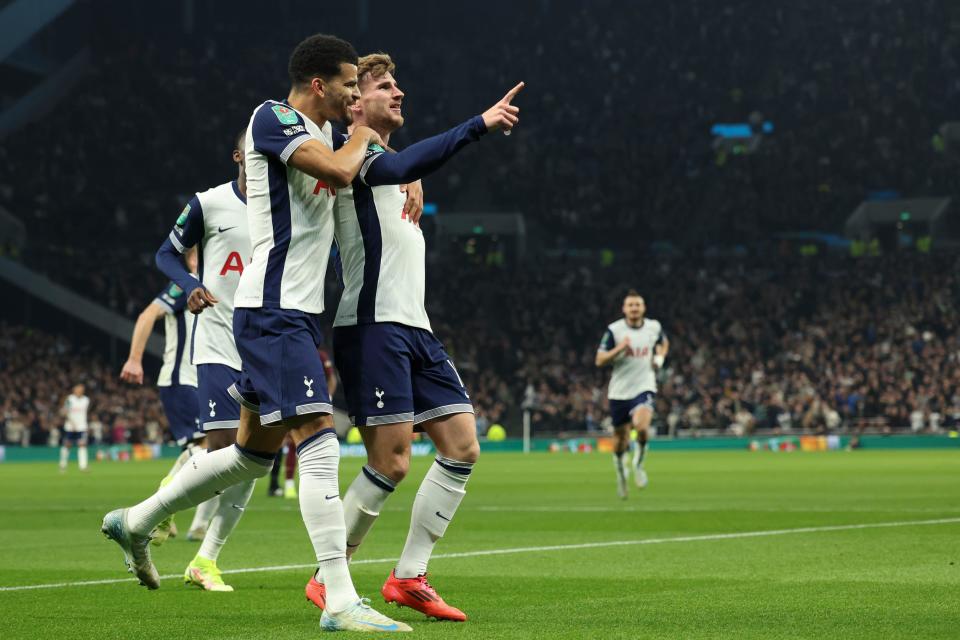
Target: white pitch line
559	547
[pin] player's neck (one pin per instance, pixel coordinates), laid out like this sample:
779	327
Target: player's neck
635	325
307	106
383	133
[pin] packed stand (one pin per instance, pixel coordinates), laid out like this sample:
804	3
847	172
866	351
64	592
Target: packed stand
621	142
38	370
782	345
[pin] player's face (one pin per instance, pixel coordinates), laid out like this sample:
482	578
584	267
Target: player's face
633	308
380	102
78	390
340	92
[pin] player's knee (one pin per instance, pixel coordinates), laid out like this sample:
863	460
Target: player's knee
394	465
465	451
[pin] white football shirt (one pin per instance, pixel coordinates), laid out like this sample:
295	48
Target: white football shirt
77	407
633	371
216	219
382	256
289	213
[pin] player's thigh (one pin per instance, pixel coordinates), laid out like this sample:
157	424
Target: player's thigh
642	413
641	418
254	436
388	448
455	436
220	439
374	362
305	428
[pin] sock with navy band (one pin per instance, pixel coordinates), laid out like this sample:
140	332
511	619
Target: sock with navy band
438	497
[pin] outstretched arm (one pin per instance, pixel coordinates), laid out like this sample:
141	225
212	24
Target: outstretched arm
424	157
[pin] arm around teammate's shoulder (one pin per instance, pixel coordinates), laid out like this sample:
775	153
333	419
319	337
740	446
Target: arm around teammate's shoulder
336	168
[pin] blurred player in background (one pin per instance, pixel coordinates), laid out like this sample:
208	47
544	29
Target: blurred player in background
214	221
288	454
635	346
75	409
178	386
395	372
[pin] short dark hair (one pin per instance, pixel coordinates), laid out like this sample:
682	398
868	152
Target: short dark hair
319	55
632	293
240	139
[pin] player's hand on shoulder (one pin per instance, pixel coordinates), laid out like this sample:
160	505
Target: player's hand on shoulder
503	115
371	136
413	207
132	372
199	299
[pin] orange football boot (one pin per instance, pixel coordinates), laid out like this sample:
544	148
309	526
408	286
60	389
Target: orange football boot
417	593
316	592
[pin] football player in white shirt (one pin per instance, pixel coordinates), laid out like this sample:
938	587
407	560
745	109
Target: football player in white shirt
395	373
75	408
177	382
214	221
292	172
636	346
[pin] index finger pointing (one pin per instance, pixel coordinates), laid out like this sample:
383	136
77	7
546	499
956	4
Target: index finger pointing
513	92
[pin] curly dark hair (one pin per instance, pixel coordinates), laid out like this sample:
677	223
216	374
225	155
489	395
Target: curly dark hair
320	55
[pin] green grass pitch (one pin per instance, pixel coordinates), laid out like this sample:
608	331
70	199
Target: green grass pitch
836	561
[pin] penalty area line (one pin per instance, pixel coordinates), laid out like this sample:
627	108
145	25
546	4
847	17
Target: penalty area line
539	549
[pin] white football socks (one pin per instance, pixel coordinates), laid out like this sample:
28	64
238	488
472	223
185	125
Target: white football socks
179	462
362	504
204	514
437	500
322	512
203	477
82	457
231	505
64	458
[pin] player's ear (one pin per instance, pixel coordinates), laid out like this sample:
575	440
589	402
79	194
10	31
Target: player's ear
318	86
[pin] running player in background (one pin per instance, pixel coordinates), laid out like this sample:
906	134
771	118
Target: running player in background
395	372
635	346
292	173
214	221
178	386
75	409
288	454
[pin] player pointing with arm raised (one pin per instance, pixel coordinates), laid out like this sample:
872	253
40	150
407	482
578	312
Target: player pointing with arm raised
395	372
635	346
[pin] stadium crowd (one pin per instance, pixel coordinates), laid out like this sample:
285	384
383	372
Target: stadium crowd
777	344
38	370
638	156
821	344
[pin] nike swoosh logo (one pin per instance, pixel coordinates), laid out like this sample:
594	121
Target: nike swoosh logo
333	496
221	229
439	515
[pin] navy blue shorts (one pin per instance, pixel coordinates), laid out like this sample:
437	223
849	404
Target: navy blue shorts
78	438
218	410
394	373
180	405
621	411
282	375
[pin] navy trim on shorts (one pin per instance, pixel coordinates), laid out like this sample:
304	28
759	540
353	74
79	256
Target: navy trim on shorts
181	338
